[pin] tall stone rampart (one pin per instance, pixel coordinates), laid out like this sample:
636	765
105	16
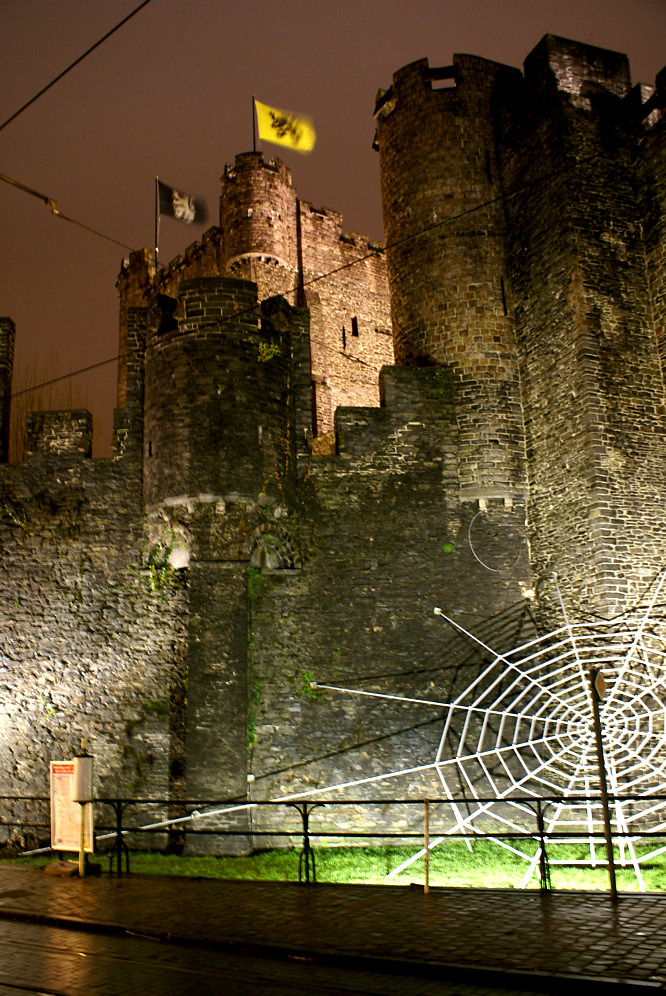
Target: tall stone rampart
525	251
590	368
383	538
91	647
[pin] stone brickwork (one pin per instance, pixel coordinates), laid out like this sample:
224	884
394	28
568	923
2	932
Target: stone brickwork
651	192
446	248
525	250
286	245
591	372
56	433
284	508
383	538
89	650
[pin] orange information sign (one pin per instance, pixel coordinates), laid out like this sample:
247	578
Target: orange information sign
66	813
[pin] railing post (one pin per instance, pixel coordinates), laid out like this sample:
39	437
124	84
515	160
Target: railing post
119	846
544	867
426	845
304	809
597	690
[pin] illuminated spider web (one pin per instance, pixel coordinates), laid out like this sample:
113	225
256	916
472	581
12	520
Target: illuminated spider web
523	729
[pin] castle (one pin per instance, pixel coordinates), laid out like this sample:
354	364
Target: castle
319	439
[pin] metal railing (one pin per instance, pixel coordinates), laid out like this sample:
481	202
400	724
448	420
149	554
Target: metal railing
193	819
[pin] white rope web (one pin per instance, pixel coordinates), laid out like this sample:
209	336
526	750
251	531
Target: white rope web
523	729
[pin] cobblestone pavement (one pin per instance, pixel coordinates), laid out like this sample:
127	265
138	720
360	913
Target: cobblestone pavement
528	940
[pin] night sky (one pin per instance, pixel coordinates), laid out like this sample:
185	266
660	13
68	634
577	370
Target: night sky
170	94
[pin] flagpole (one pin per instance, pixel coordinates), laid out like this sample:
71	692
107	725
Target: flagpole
254	126
157	218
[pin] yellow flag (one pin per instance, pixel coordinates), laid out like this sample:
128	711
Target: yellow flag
285	128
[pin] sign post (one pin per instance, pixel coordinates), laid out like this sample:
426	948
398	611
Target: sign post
598	689
71	809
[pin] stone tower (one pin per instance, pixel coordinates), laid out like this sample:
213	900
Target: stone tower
287	246
524	222
269	236
260	225
446	252
221	436
581	230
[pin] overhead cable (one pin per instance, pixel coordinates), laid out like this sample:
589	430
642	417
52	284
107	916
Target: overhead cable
57	213
75	63
72	373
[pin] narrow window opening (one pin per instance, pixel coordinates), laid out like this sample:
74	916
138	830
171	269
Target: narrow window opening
344	337
506	311
354	326
150	449
165	308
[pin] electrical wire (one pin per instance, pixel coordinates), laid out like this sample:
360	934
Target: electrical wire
73	373
73	64
57	213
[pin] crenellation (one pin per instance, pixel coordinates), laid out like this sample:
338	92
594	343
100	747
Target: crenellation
59	434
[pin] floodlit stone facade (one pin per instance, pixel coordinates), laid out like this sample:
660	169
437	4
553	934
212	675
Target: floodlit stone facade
286	503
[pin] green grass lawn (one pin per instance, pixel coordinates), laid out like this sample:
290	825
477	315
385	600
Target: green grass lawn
452	864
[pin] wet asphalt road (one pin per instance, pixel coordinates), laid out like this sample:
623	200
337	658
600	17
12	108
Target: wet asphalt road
66	962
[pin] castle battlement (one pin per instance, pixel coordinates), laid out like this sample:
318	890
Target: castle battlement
63	433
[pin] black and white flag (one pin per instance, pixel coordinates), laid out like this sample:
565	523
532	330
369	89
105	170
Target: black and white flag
181	206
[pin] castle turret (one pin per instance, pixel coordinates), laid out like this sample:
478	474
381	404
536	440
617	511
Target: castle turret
259	223
446	254
217	395
134	285
223	379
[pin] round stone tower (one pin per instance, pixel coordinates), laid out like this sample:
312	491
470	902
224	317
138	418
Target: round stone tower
446	254
218	451
258	223
216	395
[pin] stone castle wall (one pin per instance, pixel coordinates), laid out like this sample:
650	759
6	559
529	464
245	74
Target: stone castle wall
590	367
525	251
382	539
182	605
91	651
